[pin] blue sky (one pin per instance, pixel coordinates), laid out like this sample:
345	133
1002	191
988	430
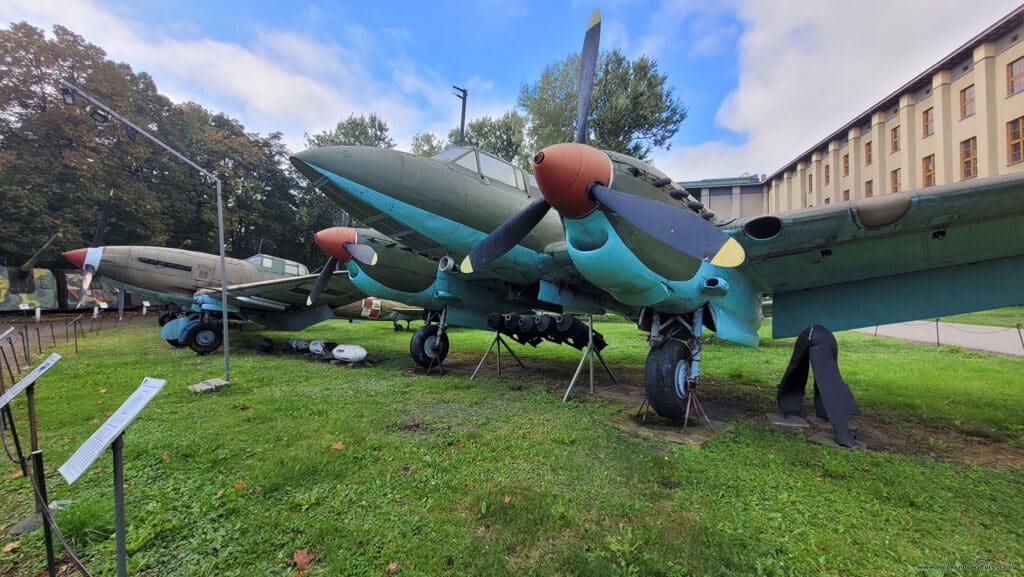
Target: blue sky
763	81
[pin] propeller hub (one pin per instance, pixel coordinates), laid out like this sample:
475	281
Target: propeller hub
76	257
564	174
333	240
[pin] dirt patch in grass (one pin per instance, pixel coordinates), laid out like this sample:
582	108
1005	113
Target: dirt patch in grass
726	399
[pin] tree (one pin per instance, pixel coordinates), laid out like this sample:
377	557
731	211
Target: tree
632	108
503	137
355	130
426	144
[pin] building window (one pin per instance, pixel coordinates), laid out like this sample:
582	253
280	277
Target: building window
869	189
846	194
928	123
1015	140
1015	77
828	200
867	153
846	165
928	170
894	139
894	181
828	175
810	182
967	101
969	158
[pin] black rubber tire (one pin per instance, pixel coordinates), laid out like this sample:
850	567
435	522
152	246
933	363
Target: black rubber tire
424	338
205	338
164	319
175	343
660	377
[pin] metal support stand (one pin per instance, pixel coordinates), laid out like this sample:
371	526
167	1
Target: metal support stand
119	526
42	503
693	402
588	354
497	342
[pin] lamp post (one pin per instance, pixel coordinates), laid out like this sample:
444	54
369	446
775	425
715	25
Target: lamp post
461	94
68	94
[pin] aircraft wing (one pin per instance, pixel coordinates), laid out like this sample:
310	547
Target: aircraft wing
155	295
918	254
287	292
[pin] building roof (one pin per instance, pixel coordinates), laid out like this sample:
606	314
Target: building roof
992	32
716	182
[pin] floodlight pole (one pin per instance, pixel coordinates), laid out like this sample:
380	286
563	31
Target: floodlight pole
69	95
461	95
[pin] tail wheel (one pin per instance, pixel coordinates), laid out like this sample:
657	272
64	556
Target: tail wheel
427	347
205	337
164	319
665	378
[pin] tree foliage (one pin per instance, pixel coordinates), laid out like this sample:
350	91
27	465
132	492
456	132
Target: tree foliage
58	166
426	144
503	136
632	107
356	130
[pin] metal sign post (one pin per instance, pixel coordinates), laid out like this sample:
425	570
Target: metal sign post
111	434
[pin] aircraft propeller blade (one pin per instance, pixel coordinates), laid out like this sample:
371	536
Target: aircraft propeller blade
363	253
506	236
322	280
681	229
588	68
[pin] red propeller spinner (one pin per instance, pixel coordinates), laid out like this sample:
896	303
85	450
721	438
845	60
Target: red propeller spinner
333	240
565	172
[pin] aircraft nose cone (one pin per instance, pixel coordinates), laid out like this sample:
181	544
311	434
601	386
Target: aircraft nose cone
76	257
379	169
332	241
565	171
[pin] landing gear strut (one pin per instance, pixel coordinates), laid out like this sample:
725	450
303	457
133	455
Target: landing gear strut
429	344
671	373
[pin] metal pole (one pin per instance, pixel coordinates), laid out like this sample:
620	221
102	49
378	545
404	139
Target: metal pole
937	333
43	502
119	528
223	286
461	94
33	434
220	205
1020	335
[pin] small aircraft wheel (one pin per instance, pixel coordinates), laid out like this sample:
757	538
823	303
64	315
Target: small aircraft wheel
426	347
164	319
204	338
665	374
174	343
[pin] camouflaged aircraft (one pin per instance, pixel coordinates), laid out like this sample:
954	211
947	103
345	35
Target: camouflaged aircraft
266	289
624	237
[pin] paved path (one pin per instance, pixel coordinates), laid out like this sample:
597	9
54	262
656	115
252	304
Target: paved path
1004	340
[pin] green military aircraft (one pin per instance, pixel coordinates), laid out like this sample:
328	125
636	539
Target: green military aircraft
625	238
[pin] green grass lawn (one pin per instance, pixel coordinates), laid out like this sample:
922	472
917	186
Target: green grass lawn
1004	317
379	466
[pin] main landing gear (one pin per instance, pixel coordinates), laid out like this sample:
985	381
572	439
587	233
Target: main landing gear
429	344
671	373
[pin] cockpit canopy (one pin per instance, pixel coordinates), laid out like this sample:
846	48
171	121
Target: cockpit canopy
488	165
278	265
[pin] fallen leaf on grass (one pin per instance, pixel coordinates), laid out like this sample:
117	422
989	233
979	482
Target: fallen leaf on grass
16	474
240	485
166	456
819	478
508	498
94	422
219	494
458	444
257	489
10	546
103	391
392	568
338	446
303	557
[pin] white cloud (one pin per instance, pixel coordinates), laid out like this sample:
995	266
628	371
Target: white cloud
277	80
807	68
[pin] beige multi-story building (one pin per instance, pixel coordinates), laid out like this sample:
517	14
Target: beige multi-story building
962	118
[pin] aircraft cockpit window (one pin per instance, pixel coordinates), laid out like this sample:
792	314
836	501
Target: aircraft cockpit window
497	169
519	180
254	259
531	180
291	269
268	262
449	154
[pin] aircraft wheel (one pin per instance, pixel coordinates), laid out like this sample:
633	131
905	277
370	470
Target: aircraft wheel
204	338
426	347
665	374
174	343
164	319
